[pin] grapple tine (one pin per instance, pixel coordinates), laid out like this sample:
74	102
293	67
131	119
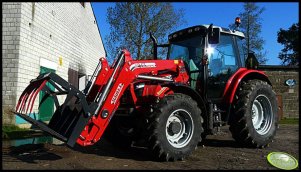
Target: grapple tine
22	97
25	94
29	91
19	102
29	102
36	93
24	102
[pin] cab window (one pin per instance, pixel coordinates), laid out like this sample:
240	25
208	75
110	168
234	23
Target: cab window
242	50
223	57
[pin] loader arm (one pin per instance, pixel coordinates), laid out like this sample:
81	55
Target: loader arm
84	116
127	72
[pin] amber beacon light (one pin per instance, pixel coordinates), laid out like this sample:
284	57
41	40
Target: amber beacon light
237	21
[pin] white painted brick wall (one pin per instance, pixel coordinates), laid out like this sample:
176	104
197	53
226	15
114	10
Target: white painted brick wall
49	31
10	45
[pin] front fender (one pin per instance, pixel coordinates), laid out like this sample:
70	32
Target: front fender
179	88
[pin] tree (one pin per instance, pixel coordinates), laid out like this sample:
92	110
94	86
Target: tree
251	27
290	39
131	23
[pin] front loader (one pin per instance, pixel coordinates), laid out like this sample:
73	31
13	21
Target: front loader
168	105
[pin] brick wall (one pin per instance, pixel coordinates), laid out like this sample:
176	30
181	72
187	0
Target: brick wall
45	33
11	17
290	95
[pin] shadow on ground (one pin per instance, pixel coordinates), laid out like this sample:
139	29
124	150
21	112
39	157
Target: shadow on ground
105	148
31	153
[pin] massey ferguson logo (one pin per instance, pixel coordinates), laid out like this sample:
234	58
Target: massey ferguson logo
142	65
116	94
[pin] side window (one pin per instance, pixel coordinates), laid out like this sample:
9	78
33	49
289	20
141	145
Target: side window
222	59
179	52
197	57
242	51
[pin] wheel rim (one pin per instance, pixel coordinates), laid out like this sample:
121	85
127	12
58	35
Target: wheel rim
179	128
262	116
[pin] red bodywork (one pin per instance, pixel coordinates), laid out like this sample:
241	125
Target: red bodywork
131	73
126	79
235	80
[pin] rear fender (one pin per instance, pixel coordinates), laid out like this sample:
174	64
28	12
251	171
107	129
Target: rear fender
242	74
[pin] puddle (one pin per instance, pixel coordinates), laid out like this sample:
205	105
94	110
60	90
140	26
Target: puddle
33	140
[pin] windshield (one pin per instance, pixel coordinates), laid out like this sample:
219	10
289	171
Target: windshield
189	50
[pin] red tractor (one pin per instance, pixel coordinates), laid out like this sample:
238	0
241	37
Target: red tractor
170	105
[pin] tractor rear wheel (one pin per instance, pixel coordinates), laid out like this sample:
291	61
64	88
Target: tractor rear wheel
255	117
174	127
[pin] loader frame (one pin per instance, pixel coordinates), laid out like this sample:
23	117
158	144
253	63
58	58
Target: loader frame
100	100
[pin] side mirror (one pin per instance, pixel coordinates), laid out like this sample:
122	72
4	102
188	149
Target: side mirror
251	61
213	35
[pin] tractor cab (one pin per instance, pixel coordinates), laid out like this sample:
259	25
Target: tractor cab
211	54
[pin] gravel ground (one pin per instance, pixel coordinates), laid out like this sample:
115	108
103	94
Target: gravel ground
216	152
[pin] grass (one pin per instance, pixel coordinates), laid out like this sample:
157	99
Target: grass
15	132
289	121
10	128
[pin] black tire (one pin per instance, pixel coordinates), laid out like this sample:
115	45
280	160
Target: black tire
203	137
182	115
119	133
255	119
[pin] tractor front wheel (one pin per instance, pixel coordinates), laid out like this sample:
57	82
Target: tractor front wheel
255	119
174	127
119	132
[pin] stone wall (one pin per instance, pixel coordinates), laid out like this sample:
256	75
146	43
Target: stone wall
288	96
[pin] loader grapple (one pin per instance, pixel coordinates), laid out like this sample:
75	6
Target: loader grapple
69	118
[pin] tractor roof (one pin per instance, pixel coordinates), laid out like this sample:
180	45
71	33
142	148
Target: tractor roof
201	29
226	30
